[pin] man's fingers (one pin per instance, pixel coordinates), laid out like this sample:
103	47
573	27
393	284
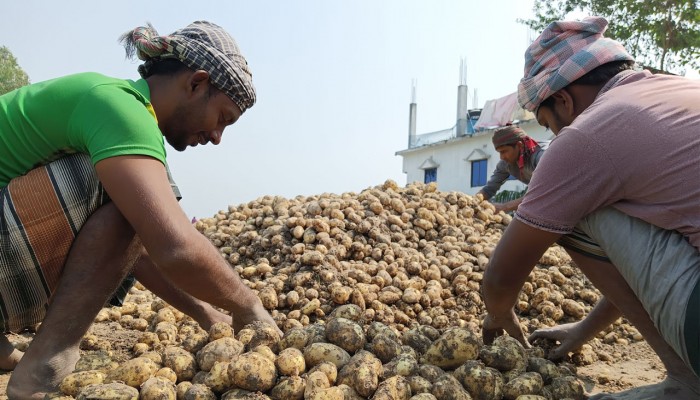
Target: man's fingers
542	334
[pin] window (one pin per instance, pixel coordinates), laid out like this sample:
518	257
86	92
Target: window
430	175
479	173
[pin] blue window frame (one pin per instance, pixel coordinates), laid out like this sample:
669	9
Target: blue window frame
430	175
479	172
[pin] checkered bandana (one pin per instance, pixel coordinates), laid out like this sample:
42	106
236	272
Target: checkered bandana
200	45
564	52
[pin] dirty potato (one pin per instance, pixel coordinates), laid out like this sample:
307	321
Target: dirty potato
290	361
252	371
319	352
345	334
110	391
223	349
181	361
72	383
453	348
158	388
133	372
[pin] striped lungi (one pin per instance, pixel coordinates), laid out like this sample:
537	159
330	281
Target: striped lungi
42	213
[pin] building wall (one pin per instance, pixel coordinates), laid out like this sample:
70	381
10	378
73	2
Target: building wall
454	157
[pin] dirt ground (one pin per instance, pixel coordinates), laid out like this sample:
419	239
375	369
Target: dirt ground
630	365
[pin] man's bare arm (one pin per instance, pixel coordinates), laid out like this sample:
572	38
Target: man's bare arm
139	187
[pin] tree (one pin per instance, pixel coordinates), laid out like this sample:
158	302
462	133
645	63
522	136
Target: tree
662	34
11	75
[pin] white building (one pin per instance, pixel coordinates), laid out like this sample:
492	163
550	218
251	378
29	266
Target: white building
462	158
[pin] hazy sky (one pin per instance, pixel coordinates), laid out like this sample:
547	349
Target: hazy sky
333	80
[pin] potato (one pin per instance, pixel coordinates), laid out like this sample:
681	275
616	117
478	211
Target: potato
181	361
419	384
252	371
417	340
530	397
217	379
327	368
505	354
181	389
158	388
526	383
347	311
133	372
166	331
315	383
394	388
72	383
361	373
423	396
295	337
199	392
547	369
345	334
447	387
223	349
290	388
566	387
481	382
167	374
220	330
110	391
265	352
404	365
319	352
263	334
290	362
153	356
430	372
349	393
194	341
385	347
452	349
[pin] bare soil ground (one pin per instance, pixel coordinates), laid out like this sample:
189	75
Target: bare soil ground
630	365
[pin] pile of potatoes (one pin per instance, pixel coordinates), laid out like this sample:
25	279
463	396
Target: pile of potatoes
378	296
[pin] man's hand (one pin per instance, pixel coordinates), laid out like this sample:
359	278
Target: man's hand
500	207
569	336
495	326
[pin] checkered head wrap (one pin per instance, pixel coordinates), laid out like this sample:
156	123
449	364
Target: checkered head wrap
201	45
564	52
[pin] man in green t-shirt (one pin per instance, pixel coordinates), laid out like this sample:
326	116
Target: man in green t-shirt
86	195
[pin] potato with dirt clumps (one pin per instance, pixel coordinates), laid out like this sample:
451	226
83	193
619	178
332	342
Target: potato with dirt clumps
394	388
295	337
290	362
423	396
181	361
452	349
223	349
385	347
220	330
447	387
252	371
217	378
133	372
263	335
526	383
505	354
481	382
404	365
181	389
315	383
327	368
199	391
158	389
547	369
566	387
346	334
419	384
361	373
319	352
110	391
290	388
72	383
530	397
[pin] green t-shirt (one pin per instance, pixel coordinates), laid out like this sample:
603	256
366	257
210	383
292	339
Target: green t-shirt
83	113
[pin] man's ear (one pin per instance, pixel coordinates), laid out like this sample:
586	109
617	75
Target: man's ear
566	102
198	80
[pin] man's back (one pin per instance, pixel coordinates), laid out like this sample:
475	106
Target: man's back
636	147
88	113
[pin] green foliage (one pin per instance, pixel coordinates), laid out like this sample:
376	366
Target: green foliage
662	34
11	75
